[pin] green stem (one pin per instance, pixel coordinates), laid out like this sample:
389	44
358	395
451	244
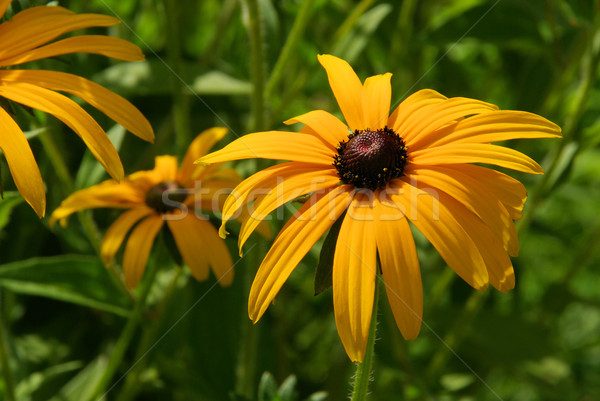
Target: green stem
350	21
257	64
9	382
363	369
290	45
58	163
117	354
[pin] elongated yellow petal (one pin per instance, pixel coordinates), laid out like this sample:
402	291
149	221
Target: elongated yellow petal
71	114
476	153
346	88
286	190
200	246
4	6
36	26
354	275
114	106
116	48
325	125
376	99
430	118
427	210
293	242
198	148
106	194
494	127
276	145
138	249
118	230
400	268
22	165
412	104
260	184
484	205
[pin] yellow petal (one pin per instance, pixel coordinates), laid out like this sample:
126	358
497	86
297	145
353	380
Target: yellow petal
260	184
276	145
411	105
376	99
482	203
430	118
114	106
138	249
165	167
400	268
71	114
286	190
354	275
346	88
495	127
200	246
476	153
22	165
293	242
106	194
4	6
36	26
325	125
198	148
118	230
427	210
117	48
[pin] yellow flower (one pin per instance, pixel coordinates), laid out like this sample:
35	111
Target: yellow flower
25	38
164	194
384	169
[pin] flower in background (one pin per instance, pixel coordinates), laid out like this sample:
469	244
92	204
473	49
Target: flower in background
26	38
383	170
159	196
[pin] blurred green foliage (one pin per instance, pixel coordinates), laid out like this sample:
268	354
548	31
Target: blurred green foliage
63	312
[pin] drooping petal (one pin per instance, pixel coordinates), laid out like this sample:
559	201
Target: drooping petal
260	184
286	190
376	99
276	145
400	268
114	106
116	48
495	126
106	194
483	204
36	26
293	242
410	105
476	153
138	249
346	88
326	125
354	275
427	210
72	115
198	148
118	230
4	6
200	246
22	165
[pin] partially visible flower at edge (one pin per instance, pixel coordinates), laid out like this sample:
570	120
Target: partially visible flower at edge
25	38
384	170
161	195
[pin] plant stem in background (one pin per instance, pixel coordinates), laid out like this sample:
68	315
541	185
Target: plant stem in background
118	352
364	368
9	382
181	101
350	21
257	64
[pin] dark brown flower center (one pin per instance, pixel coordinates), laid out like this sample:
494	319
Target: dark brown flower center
166	196
370	159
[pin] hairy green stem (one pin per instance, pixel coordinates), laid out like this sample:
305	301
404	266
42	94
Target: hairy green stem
364	368
9	382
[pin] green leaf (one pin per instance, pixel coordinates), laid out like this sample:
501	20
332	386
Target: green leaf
219	83
78	279
267	388
9	202
323	274
287	390
37	380
82	386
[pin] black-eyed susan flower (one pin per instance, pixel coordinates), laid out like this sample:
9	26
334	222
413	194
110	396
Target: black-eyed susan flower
168	195
383	170
26	38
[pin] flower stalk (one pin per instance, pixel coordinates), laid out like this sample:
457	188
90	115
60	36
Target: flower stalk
9	382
